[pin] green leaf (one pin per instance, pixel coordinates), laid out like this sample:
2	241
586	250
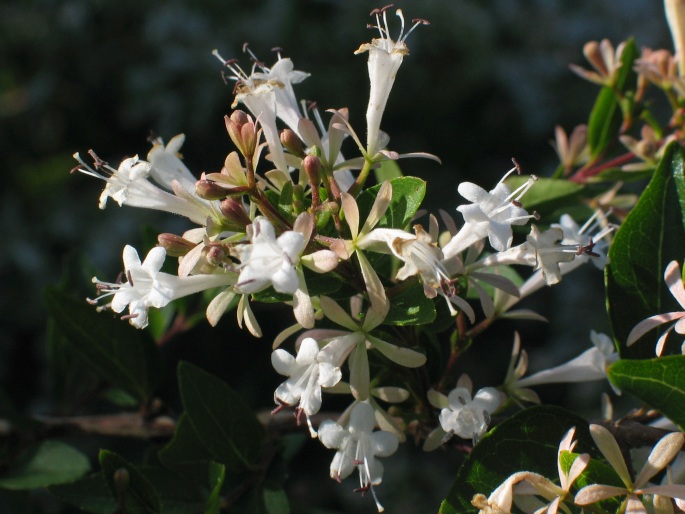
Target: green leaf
596	472
527	441
186	453
388	170
407	195
136	492
217	475
220	418
658	382
276	501
605	118
546	195
89	494
651	236
285	200
43	464
409	305
124	356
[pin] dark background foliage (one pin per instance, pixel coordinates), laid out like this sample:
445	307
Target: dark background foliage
487	80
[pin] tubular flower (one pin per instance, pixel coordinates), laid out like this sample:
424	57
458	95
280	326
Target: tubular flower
491	214
592	364
466	416
674	281
269	95
307	373
146	286
268	260
358	446
129	185
385	58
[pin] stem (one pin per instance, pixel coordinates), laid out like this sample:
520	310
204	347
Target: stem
584	173
361	178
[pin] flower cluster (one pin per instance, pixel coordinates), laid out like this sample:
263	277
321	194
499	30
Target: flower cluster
288	218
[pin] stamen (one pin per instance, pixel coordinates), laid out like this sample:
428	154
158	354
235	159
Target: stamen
129	277
129	316
278	409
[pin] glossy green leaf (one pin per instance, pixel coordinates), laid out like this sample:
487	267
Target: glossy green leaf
409	305
220	418
217	475
527	441
122	355
547	194
651	236
43	464
407	195
387	170
605	118
596	472
658	382
136	492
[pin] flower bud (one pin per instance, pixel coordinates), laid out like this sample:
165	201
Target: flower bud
234	212
121	480
215	255
175	246
292	143
312	166
243	132
209	190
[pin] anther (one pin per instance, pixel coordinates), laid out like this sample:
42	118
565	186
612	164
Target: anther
129	277
516	165
129	316
420	21
97	162
278	409
536	215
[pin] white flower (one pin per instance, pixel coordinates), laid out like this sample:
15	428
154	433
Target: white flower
491	214
590	365
268	260
465	416
592	237
541	250
269	95
358	446
385	58
146	286
129	185
166	165
311	370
